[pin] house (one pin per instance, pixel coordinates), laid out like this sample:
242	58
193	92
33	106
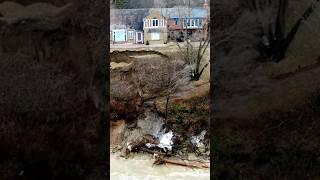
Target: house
155	27
194	21
125	34
158	25
126	25
130	17
175	19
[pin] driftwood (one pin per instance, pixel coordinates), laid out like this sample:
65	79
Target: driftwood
160	159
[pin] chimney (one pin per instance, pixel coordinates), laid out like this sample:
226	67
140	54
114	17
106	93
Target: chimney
206	5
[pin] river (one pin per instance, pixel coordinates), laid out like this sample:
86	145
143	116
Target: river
140	167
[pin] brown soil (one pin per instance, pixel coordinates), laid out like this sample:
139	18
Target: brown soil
116	129
189	111
126	56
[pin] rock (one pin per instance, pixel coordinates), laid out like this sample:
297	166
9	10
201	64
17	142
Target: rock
124	153
132	125
202	149
207	153
184	150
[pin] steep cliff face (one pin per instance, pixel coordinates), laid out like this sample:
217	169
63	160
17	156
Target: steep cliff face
138	105
53	64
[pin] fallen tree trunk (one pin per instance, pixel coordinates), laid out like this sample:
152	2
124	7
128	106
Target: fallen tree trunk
193	164
186	163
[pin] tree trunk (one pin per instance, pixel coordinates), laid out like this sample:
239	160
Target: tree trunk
167	104
281	44
277	41
281	20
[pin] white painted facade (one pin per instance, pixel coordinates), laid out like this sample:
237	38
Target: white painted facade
154	23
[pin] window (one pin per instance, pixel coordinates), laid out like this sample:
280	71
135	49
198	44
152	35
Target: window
186	23
130	34
146	22
155	22
192	23
155	36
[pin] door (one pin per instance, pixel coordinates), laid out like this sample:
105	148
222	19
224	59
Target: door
139	38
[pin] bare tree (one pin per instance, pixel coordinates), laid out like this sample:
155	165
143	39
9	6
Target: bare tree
272	16
167	77
193	55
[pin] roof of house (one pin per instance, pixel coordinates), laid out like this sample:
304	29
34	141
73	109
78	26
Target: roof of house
130	17
178	12
134	17
199	13
118	26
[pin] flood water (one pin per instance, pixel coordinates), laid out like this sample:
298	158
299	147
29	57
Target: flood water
140	167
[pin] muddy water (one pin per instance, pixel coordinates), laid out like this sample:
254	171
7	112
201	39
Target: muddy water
140	168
